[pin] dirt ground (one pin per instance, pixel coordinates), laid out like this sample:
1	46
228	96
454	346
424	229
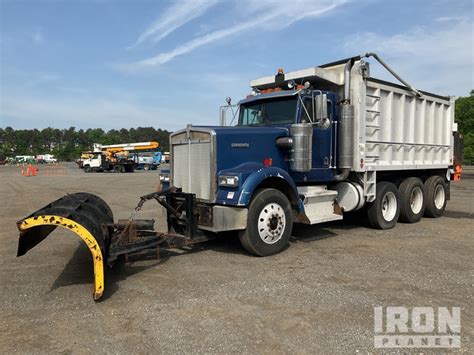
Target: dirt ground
315	297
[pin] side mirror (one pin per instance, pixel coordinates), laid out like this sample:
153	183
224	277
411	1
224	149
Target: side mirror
321	102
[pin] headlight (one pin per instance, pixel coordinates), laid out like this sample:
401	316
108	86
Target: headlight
164	177
231	180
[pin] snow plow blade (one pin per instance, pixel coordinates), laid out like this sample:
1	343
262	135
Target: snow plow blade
86	215
89	217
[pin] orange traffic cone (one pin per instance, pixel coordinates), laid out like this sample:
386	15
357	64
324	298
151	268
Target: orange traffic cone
34	170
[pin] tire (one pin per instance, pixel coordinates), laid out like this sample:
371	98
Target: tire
384	212
269	223
117	169
87	169
435	193
146	167
412	200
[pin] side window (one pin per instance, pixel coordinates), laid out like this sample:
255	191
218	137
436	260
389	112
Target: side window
251	116
307	114
329	103
308	110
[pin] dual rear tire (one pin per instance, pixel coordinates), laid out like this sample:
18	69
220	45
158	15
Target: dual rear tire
409	202
412	200
384	212
436	193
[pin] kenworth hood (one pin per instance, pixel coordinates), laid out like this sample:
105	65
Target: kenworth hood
239	145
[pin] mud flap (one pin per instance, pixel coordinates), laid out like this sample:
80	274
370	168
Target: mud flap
84	214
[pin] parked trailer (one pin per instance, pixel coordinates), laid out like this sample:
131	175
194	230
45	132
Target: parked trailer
307	147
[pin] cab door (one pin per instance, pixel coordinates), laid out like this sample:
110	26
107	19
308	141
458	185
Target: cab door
322	121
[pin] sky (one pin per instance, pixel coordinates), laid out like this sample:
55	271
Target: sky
129	63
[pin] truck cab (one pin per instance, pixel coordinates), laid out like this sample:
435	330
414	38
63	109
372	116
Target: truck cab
95	161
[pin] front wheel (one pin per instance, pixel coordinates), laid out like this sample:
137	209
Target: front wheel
87	169
269	223
383	213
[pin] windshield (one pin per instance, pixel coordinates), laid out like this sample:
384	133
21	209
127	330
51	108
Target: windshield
266	112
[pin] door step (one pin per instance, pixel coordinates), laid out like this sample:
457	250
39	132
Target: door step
319	203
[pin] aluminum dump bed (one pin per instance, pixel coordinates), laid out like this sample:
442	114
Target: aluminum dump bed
394	129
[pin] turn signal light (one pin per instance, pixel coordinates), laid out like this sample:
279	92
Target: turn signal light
267	162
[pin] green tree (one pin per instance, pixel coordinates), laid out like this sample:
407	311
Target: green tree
464	116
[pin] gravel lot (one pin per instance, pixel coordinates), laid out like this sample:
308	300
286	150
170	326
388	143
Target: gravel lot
315	297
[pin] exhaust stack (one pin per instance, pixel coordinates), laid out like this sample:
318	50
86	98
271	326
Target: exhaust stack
345	136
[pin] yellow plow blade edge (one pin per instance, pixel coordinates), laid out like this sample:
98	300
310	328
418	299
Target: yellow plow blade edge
84	214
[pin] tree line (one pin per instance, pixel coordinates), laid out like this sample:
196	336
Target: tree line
67	144
464	114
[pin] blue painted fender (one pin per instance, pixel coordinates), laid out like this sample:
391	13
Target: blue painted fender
257	177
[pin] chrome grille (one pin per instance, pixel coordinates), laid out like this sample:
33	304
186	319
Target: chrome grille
192	163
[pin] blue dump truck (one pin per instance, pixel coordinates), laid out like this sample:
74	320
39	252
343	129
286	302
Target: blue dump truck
305	147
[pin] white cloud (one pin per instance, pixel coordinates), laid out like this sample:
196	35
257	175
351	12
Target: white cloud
263	15
438	59
450	18
177	15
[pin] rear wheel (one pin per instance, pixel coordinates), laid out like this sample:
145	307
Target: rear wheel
412	200
269	223
383	213
435	192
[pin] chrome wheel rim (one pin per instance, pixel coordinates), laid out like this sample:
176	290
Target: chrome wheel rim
271	223
416	200
389	206
439	197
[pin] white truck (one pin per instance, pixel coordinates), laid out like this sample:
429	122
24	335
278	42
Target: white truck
46	158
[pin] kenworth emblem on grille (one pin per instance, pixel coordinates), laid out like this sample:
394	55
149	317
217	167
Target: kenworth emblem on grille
240	145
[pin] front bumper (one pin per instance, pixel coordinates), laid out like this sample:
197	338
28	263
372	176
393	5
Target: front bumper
223	218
